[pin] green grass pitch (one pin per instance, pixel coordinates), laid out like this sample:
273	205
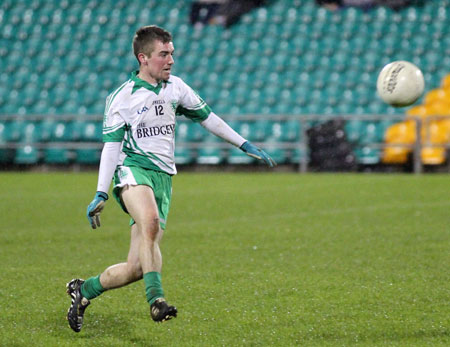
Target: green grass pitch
249	259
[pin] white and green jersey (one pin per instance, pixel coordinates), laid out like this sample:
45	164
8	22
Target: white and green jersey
142	117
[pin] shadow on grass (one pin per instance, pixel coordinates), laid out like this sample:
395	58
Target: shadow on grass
105	329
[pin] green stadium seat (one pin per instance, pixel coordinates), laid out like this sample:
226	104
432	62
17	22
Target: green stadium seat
236	156
3	133
278	154
291	131
256	131
47	127
298	155
367	155
31	132
57	155
13	130
211	140
209	155
61	132
87	155
189	131
382	126
353	130
27	155
88	131
369	133
6	155
183	156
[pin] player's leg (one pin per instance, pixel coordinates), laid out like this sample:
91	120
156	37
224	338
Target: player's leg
142	207
121	274
115	276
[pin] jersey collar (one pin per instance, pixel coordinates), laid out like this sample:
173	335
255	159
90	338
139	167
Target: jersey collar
140	83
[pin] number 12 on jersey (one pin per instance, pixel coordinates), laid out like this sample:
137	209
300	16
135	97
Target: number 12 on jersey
159	110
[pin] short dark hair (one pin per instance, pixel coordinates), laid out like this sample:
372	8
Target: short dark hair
145	36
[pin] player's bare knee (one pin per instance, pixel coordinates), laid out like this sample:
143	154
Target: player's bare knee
154	229
150	228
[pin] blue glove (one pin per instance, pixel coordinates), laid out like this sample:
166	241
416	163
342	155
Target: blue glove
257	153
95	207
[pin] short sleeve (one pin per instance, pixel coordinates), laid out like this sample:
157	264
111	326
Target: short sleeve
113	124
192	105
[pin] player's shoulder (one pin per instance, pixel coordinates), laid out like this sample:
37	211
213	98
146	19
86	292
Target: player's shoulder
123	91
120	94
176	81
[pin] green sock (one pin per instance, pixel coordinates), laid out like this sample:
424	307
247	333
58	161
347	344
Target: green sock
92	288
153	287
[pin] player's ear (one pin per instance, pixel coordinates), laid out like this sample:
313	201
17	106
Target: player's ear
142	59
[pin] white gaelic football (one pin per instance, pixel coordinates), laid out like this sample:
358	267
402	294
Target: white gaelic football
400	83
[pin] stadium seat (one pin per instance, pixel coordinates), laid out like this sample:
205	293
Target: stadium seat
353	130
419	110
369	133
31	132
438	108
189	131
298	155
382	126
367	155
3	134
209	155
211	139
280	155
436	95
446	82
13	131
61	132
236	156
183	156
87	155
285	131
57	155
27	155
399	134
256	131
87	131
6	155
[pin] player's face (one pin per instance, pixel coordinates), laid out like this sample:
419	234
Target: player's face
158	66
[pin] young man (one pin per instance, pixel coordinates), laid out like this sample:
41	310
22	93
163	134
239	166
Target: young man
139	132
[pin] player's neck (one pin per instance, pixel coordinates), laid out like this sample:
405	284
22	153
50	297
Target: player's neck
147	78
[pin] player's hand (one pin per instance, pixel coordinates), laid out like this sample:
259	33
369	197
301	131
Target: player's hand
95	207
258	153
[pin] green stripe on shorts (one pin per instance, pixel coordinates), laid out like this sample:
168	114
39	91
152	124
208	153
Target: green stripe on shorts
160	182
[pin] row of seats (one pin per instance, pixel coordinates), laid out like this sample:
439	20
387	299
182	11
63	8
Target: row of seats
49	130
290	57
30	155
64	142
209	155
359	132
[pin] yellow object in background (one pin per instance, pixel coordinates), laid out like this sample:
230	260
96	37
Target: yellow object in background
434	131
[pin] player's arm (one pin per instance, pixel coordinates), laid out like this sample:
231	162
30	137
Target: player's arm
194	108
218	127
108	163
113	133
